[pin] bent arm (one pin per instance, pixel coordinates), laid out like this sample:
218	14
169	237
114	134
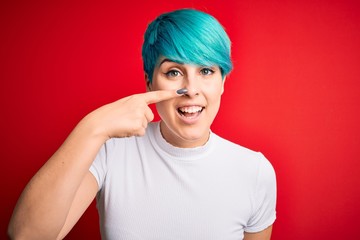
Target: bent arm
63	188
44	205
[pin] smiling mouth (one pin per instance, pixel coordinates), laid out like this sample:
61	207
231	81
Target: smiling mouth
191	111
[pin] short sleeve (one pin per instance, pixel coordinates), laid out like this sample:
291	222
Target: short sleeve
99	166
264	210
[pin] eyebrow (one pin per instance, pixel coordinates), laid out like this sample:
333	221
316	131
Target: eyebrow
168	60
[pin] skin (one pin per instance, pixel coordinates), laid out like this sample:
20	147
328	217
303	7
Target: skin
205	87
60	192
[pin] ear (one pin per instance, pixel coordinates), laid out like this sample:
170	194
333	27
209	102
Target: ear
223	85
148	83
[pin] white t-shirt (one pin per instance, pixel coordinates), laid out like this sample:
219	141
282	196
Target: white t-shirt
149	189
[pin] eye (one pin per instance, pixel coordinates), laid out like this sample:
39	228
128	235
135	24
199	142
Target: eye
173	73
206	71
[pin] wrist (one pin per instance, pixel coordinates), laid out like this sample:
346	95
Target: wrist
91	128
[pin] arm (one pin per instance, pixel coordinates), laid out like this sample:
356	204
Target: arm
45	203
263	235
62	189
83	197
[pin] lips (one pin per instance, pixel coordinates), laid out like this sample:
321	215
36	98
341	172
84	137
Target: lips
190	111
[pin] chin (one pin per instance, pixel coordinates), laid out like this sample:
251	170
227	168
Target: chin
193	135
185	134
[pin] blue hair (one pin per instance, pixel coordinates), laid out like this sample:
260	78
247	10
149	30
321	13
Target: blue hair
186	36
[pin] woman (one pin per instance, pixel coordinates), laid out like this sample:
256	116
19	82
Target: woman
173	179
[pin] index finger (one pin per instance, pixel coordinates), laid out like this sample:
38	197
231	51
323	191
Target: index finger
161	95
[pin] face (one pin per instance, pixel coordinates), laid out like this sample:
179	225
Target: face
186	120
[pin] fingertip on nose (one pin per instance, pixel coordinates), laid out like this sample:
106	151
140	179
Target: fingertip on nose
182	91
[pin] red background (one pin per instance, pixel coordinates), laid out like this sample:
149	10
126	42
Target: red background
293	95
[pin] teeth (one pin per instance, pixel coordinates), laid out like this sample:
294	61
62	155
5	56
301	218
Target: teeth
192	109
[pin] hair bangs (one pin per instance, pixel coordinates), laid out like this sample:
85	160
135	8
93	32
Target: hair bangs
187	36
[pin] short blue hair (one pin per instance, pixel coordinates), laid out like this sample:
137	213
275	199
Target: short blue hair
187	36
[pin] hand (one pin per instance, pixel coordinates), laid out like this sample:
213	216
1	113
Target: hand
128	116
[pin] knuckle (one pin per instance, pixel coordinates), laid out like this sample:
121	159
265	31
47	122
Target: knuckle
141	132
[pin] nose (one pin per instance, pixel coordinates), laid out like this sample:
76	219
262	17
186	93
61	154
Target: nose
192	84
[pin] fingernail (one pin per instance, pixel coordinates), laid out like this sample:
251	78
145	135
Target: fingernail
182	91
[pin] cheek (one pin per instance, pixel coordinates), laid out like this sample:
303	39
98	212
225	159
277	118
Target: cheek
162	84
213	91
164	107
